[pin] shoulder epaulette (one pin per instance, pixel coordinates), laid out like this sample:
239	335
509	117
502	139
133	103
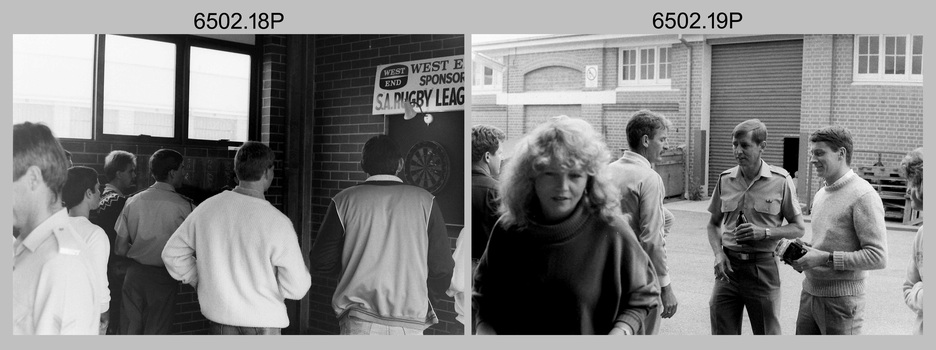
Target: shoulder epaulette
68	241
779	170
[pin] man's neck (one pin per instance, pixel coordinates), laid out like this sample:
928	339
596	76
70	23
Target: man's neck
116	186
252	185
832	178
37	217
79	210
750	173
482	167
646	154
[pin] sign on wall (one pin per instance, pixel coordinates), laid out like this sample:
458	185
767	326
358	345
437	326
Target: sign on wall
435	85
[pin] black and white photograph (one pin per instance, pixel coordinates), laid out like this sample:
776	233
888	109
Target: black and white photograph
239	184
697	184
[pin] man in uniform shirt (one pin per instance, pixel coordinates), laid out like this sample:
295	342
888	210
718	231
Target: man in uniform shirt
642	196
53	280
147	221
746	271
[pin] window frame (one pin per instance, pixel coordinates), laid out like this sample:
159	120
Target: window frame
880	77
656	81
497	75
183	43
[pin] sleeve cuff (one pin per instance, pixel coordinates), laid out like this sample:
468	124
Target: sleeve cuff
838	260
664	280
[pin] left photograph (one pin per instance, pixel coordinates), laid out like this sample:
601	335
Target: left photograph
239	184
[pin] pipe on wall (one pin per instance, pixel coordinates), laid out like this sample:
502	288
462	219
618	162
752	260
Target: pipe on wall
686	189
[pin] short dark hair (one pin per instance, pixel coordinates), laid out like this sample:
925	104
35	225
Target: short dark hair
911	167
163	161
80	179
757	128
380	156
252	159
485	138
836	136
644	122
35	145
117	161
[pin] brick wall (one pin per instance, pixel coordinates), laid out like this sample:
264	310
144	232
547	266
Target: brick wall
881	118
345	66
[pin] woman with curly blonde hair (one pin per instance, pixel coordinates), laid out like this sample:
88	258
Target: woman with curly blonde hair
562	258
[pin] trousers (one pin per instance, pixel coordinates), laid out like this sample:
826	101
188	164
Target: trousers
754	285
354	326
149	294
830	315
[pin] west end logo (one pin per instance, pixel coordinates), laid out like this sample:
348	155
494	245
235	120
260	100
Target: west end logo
393	77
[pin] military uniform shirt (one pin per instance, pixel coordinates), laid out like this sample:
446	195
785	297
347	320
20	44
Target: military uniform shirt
54	289
149	218
766	201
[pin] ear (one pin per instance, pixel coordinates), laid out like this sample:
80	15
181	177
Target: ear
487	157
88	194
645	141
33	177
399	166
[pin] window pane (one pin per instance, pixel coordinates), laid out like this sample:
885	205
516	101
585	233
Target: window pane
917	65
488	76
874	45
889	65
889	45
900	67
901	46
139	87
918	45
862	64
873	65
52	82
862	45
219	95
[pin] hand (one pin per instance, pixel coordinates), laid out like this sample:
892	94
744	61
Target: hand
669	301
105	320
813	258
485	329
749	232
722	267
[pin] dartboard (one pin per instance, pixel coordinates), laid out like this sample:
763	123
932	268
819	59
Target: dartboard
427	166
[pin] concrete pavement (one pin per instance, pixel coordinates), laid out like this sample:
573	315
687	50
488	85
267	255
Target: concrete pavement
690	262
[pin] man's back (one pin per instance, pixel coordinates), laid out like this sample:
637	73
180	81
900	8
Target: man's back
394	242
149	218
248	260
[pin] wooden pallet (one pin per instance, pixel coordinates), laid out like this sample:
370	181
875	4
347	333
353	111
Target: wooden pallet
893	191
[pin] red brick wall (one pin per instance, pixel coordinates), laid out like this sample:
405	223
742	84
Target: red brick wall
345	66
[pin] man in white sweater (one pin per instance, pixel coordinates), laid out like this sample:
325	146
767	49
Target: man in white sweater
849	238
248	256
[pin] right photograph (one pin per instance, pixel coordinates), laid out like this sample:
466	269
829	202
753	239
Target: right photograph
697	184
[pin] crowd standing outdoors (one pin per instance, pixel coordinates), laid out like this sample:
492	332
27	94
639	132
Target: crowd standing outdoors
579	245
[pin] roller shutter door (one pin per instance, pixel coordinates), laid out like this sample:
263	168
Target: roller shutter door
754	80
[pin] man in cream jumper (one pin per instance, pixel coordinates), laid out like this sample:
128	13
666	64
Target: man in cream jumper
240	253
849	238
388	241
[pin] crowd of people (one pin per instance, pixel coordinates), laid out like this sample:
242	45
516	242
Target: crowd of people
567	242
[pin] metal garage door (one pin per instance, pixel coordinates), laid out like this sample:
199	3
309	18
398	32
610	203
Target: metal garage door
754	80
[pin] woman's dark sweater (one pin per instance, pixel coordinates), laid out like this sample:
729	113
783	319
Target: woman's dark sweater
576	277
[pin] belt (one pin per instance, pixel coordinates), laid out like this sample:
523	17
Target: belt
747	256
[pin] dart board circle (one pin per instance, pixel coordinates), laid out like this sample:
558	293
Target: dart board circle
427	165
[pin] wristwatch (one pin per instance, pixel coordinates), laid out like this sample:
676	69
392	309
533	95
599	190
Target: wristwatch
766	233
831	260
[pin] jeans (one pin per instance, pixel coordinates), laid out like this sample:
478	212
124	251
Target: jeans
755	285
215	328
355	326
830	315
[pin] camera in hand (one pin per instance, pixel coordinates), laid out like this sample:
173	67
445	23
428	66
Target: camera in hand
789	250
